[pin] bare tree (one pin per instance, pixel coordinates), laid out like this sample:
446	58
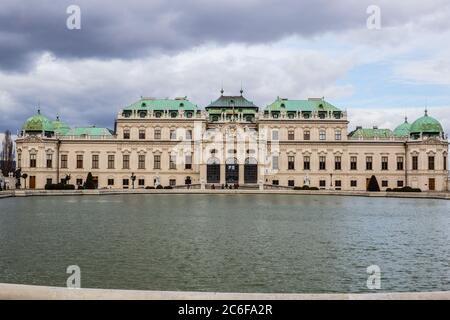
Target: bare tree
7	154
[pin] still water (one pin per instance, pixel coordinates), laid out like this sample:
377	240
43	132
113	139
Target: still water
227	243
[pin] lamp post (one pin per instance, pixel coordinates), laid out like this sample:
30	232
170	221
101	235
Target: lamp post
133	177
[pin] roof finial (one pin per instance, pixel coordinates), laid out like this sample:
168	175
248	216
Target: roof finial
406	119
242	91
57	117
426	111
221	90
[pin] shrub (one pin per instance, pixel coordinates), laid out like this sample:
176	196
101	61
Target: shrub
80	187
297	188
148	187
373	185
404	189
159	186
59	186
313	188
168	187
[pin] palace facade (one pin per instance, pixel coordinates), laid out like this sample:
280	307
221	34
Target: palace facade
289	143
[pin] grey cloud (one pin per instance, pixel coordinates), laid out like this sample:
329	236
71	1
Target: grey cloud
135	28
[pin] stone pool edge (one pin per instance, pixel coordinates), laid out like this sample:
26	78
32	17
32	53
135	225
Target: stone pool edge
32	292
415	195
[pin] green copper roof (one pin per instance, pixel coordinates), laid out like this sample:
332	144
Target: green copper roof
426	124
38	122
371	133
403	130
162	104
88	131
60	126
301	105
230	102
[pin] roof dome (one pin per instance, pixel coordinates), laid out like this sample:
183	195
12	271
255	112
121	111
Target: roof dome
403	130
426	124
38	122
60	126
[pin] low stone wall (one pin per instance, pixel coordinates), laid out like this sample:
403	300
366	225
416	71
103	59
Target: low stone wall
417	195
28	292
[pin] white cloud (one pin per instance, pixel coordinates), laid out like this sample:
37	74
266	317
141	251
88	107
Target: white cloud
392	117
92	89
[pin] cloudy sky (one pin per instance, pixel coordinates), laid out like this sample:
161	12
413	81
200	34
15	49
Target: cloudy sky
294	49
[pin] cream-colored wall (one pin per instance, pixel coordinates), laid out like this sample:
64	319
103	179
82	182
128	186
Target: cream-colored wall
201	145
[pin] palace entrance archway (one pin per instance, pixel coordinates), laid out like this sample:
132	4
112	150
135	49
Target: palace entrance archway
213	170
251	170
231	170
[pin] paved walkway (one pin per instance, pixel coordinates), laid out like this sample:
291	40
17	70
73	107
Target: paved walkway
28	292
417	195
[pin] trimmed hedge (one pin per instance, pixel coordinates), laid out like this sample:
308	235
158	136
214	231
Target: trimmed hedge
59	186
404	189
147	187
159	187
306	188
168	187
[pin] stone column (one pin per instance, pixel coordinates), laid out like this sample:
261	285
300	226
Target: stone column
222	173
241	174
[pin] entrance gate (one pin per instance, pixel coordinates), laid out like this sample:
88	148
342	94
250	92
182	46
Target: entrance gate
231	170
250	170
213	171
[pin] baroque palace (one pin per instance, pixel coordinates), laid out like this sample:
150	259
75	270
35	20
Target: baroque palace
290	143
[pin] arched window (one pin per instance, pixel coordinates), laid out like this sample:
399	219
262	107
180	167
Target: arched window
213	160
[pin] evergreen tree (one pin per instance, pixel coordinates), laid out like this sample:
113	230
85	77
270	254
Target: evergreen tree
7	154
89	184
373	184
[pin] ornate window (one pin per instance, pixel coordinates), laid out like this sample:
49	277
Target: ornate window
306	163
431	163
157	134
322	135
64	161
384	163
49	160
79	161
274	135
126	161
306	135
188	162
338	163
369	163
141	161
353	163
95	161
33	160
400	163
126	133
338	134
156	161
415	162
291	163
275	165
172	162
291	135
142	134
111	161
322	162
